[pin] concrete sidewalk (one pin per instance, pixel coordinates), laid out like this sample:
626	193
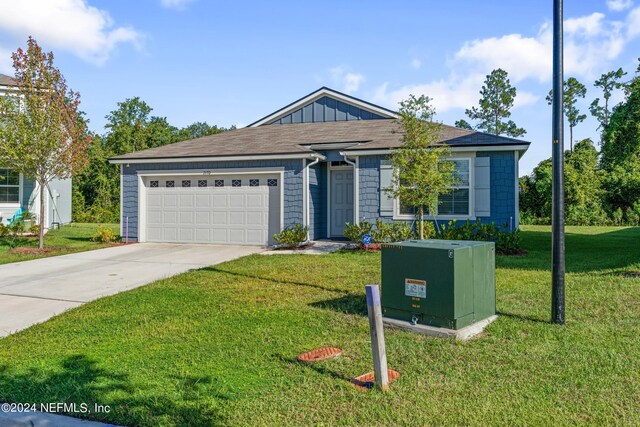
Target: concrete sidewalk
34	291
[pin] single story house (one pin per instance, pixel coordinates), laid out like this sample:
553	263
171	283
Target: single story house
321	161
21	192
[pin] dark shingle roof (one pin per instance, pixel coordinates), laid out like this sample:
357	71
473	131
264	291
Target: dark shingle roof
296	138
7	80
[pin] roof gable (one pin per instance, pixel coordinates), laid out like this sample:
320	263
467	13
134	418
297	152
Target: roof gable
326	105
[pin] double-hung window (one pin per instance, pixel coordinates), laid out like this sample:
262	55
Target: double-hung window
9	186
456	203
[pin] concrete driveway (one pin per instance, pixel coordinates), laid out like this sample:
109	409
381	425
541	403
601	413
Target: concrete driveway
34	291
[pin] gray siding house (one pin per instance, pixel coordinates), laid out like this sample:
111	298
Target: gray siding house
21	192
321	161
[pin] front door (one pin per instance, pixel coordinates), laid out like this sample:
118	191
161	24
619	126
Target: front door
341	207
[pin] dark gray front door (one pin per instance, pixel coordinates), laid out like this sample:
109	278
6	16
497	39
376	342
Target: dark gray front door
341	200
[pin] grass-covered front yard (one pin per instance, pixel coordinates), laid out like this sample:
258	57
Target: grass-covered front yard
68	239
217	346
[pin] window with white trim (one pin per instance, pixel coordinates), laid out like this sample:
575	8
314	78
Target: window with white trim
456	202
9	186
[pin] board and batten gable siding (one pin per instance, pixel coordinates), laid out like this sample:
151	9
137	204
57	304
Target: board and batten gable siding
375	175
293	184
326	109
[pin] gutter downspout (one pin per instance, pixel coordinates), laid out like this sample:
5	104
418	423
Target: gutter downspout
356	187
308	192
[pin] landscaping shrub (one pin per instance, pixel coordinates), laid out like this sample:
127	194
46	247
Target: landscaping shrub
292	236
382	231
354	232
4	230
104	235
35	229
507	242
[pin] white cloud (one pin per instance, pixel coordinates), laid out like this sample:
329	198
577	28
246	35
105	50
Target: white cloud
447	94
633	23
71	25
591	43
416	63
348	81
619	5
175	4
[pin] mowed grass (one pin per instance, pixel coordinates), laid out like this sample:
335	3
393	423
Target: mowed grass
65	240
217	346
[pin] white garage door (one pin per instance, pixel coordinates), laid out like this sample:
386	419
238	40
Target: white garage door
232	209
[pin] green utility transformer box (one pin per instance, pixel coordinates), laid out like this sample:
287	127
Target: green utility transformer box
442	283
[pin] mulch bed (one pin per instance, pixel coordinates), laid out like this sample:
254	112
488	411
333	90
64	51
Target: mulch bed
28	250
319	354
519	252
368	380
294	248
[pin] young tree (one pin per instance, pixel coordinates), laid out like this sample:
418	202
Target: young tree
421	172
496	101
608	82
42	134
573	90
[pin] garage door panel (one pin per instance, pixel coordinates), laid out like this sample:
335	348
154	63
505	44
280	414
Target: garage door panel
236	200
254	218
220	201
236	235
154	217
186	235
219	218
170	234
203	200
187	200
255	236
248	214
255	201
203	235
187	218
154	200
236	218
203	218
170	200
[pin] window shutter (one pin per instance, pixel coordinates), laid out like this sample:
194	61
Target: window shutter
482	186
386	177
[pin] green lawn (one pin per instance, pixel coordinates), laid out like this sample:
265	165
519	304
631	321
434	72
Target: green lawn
217	346
68	239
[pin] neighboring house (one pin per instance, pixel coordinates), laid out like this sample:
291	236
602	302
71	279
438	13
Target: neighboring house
321	161
18	191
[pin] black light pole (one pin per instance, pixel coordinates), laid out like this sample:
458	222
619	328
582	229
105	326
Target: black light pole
557	234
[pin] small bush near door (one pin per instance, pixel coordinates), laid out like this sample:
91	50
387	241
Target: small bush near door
292	236
381	231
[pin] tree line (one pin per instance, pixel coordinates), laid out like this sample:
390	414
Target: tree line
601	186
130	127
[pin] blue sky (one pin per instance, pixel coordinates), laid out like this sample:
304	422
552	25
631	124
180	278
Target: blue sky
234	62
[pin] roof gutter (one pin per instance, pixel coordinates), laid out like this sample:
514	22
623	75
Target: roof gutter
454	149
118	161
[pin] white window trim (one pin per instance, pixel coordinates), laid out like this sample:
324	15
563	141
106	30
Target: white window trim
470	214
17	204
